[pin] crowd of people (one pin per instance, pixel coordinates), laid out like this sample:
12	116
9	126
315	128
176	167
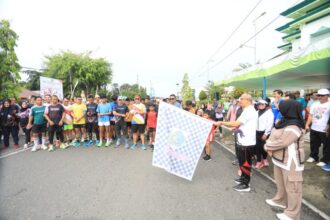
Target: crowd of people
261	128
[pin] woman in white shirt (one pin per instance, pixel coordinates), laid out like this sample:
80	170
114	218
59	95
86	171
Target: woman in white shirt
265	125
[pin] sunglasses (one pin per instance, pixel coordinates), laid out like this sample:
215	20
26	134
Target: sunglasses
171	98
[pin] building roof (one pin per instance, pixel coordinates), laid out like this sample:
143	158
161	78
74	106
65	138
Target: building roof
302	8
25	94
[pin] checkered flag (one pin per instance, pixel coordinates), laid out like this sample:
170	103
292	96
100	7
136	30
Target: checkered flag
180	140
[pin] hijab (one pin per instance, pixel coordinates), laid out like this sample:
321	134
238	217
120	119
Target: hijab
291	111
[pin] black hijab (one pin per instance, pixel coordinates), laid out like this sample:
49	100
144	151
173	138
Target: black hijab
291	111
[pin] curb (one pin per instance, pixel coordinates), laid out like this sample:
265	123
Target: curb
306	203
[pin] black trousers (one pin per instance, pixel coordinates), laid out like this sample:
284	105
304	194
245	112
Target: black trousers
260	152
327	157
7	130
245	162
92	127
316	139
59	133
27	133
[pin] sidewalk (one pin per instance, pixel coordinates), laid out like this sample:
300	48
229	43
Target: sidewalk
316	186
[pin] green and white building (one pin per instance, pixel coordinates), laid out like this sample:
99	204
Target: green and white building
305	60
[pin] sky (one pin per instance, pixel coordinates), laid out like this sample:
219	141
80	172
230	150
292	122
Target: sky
151	42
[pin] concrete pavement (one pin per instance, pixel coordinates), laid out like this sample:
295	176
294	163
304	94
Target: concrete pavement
110	183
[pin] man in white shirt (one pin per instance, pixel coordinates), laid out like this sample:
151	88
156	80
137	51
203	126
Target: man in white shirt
246	140
318	118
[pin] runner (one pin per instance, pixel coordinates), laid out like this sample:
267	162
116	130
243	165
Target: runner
120	112
129	116
23	115
68	123
151	119
92	127
104	111
55	114
138	122
210	138
38	124
78	112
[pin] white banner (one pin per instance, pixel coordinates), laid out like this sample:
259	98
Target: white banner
180	140
50	86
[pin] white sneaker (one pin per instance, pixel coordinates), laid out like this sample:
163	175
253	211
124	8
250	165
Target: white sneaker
282	216
44	147
272	203
25	146
321	164
310	160
34	148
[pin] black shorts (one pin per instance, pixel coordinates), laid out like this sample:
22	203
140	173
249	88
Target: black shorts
92	127
138	128
78	126
129	124
112	123
42	128
151	129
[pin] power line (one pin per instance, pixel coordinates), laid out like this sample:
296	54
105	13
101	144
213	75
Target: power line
230	36
253	36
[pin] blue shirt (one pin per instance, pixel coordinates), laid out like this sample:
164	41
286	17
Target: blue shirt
302	102
102	109
113	105
276	112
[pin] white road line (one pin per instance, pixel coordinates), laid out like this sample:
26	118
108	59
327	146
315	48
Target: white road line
306	203
13	153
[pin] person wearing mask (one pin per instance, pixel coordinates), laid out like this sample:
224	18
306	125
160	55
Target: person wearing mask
265	125
286	148
246	126
317	124
9	123
23	115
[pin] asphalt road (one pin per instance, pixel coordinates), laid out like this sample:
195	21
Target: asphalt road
109	183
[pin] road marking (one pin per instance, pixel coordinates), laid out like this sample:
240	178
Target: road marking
306	203
13	153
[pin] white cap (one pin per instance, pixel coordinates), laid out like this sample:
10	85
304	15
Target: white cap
262	102
323	92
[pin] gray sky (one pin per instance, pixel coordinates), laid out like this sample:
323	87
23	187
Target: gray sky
157	40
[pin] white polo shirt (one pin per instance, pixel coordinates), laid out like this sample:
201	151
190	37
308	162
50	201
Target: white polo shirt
246	134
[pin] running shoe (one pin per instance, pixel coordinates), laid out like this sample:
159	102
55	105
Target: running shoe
143	147
91	142
107	144
51	148
100	144
85	144
77	144
133	146
118	142
44	147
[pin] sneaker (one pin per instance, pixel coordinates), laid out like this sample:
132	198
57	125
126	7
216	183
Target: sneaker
283	216
16	146
126	145
143	147
35	148
85	144
238	180
44	147
63	146
207	157
51	148
108	143
99	144
310	160
76	144
25	146
259	165
72	143
91	142
111	141
242	188
326	167
265	162
118	143
133	146
274	204
321	164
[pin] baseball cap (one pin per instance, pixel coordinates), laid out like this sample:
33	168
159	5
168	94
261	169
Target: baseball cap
323	92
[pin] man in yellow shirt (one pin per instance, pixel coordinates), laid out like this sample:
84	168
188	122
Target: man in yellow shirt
78	112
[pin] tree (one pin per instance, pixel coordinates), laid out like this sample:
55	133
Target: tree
212	89
237	92
186	91
202	95
78	69
33	81
9	67
131	90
